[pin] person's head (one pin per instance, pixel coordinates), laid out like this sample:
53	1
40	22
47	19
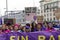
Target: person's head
27	24
50	25
56	22
27	29
33	24
22	28
4	26
11	27
7	27
46	24
39	26
16	26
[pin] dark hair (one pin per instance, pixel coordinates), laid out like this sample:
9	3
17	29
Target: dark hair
45	22
32	29
27	24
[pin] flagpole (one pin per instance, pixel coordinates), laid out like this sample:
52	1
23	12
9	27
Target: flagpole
6	6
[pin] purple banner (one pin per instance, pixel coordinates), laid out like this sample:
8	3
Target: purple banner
31	36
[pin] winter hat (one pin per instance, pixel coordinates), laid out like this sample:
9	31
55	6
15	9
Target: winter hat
27	27
16	25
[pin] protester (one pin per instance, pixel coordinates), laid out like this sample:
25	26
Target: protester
22	29
33	26
11	28
7	29
57	25
30	27
38	27
16	27
50	27
3	27
27	28
45	24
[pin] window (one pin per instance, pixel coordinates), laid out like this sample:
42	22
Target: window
44	10
54	14
50	14
41	11
47	15
44	15
55	4
47	19
55	8
48	10
54	18
23	20
44	19
33	10
50	19
51	5
47	7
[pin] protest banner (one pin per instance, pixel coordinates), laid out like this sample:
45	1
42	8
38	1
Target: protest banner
42	35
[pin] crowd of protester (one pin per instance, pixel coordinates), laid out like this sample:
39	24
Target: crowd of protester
30	27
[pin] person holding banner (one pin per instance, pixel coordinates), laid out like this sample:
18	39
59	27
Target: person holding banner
33	26
27	28
7	29
4	28
16	28
38	27
50	27
11	28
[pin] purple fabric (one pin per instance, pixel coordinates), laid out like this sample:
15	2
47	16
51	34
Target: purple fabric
27	27
31	35
35	17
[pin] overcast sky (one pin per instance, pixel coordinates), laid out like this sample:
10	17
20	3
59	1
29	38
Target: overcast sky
17	4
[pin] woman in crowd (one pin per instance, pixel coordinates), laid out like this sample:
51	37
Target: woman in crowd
16	27
22	29
27	28
3	27
45	24
11	28
56	25
38	27
50	27
33	26
7	29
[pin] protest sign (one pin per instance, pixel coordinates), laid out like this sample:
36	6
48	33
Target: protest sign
42	35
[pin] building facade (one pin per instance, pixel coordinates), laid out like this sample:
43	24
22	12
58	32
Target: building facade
19	16
47	9
31	12
23	17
